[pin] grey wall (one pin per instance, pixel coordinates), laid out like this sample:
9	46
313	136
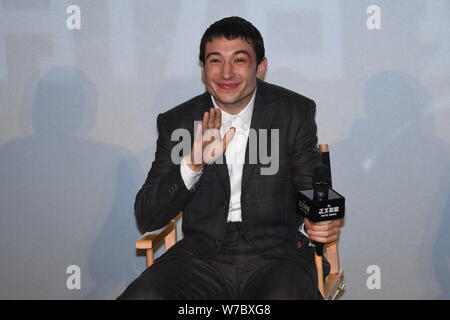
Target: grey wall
77	128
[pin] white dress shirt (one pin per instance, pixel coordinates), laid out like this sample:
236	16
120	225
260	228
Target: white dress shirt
235	156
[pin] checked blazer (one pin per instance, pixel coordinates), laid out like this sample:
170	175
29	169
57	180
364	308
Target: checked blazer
270	218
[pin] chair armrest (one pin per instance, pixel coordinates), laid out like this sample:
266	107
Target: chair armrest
154	238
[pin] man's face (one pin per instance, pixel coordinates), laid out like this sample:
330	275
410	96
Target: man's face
230	71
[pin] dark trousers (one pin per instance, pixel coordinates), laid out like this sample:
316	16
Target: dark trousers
236	272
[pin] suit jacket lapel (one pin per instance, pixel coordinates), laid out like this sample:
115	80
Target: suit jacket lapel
261	119
203	105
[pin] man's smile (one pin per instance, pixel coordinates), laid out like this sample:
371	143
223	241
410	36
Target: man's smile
227	86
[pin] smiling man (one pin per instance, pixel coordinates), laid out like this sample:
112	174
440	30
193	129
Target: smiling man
230	70
239	225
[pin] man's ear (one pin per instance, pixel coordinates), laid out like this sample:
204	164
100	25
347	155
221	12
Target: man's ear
202	67
262	68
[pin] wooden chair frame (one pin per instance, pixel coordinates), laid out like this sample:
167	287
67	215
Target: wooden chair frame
331	287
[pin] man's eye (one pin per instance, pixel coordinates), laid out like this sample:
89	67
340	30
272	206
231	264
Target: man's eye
240	60
214	61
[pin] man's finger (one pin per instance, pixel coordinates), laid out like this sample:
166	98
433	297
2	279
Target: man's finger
196	152
319	222
325	239
212	117
218	120
320	227
227	137
315	233
198	132
205	120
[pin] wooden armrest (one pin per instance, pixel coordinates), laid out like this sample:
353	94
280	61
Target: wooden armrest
152	239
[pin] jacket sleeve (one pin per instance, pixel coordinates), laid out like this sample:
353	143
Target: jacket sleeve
164	193
305	155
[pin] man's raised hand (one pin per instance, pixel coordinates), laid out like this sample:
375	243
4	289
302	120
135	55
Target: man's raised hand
208	145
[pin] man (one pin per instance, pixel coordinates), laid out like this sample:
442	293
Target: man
239	222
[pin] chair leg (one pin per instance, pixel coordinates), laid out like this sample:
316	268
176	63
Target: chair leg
171	238
319	267
333	257
149	257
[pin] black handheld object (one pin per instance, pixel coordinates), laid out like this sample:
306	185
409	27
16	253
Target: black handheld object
321	183
321	203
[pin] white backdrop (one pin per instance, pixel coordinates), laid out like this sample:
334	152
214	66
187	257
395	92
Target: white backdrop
81	84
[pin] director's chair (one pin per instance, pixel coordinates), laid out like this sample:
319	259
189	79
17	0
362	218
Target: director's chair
331	286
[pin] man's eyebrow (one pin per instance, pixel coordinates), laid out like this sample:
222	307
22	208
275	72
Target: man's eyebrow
234	53
241	51
212	54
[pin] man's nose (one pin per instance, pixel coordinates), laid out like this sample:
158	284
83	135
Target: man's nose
227	70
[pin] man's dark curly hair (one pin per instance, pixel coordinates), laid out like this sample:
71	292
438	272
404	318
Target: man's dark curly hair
232	28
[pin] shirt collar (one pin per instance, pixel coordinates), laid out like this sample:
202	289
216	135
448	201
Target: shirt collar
245	115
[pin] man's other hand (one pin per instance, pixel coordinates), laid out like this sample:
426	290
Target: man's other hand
323	231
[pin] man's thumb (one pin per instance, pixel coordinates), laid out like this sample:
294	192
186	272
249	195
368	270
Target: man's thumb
228	136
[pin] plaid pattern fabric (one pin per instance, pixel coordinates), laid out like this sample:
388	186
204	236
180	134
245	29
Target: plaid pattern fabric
269	207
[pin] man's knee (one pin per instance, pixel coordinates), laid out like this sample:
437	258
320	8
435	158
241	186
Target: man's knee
288	292
138	290
146	287
282	279
178	279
